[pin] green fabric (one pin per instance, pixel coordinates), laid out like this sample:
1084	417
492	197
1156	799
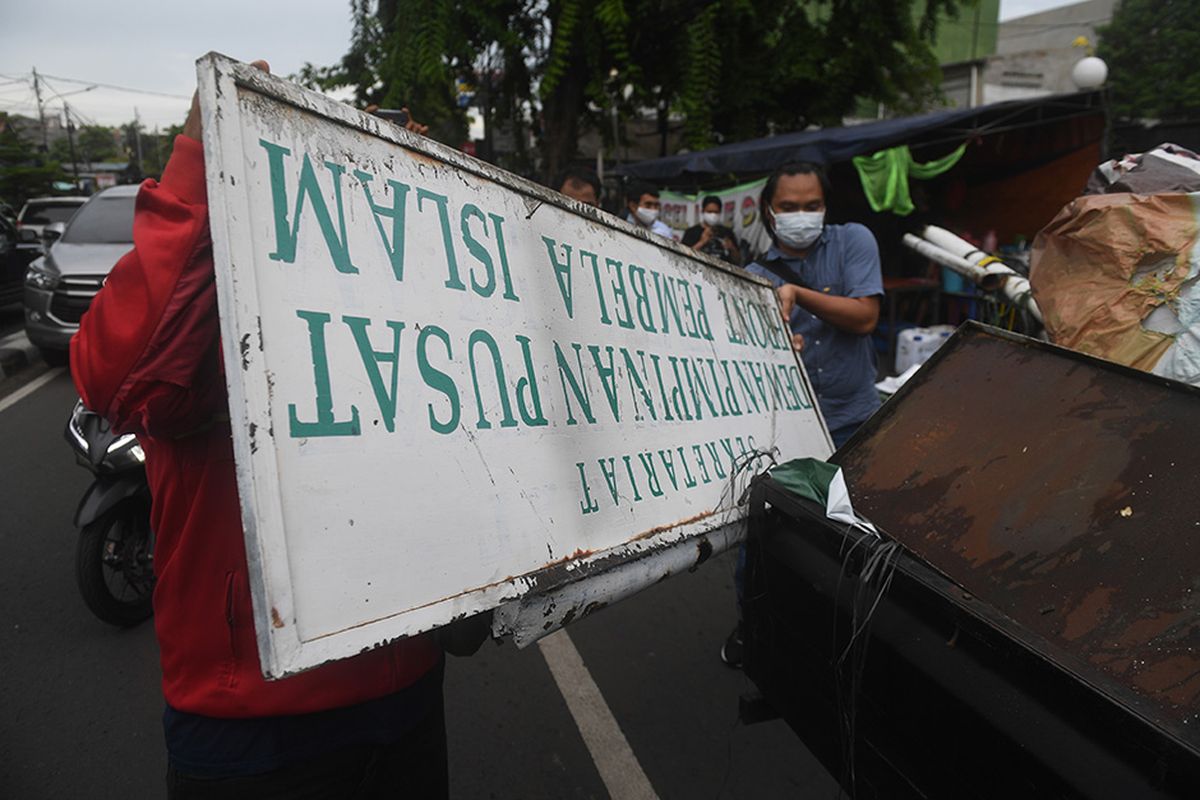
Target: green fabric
806	477
885	175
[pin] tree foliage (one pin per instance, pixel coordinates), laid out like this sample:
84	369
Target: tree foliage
734	68
92	143
24	172
154	147
1150	48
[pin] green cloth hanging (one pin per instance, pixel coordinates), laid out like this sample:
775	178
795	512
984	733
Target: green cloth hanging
885	175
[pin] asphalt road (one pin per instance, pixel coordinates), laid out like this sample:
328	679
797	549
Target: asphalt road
80	703
11	319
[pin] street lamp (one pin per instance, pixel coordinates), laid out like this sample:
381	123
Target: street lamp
1089	73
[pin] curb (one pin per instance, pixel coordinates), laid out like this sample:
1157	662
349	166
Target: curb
17	353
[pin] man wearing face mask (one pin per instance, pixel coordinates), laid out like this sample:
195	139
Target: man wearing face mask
641	202
710	236
829	284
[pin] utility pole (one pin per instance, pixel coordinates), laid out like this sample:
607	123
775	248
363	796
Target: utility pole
137	136
71	144
37	90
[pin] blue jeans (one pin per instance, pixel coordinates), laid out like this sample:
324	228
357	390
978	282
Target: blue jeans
841	435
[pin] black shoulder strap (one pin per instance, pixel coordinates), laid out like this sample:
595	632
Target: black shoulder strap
776	268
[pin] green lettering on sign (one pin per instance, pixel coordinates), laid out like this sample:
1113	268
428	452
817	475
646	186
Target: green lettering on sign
325	425
395	246
453	281
481	254
309	188
562	273
483	337
437	380
531	408
577	382
587	505
385	396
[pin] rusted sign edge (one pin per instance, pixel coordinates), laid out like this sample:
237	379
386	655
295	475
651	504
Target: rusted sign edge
582	565
536	615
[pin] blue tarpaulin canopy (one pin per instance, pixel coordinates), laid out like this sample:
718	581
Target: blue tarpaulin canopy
834	145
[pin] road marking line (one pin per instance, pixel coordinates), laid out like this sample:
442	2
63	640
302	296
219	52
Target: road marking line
611	753
12	338
30	388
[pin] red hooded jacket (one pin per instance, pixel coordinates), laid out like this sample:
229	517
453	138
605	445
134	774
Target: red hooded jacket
147	357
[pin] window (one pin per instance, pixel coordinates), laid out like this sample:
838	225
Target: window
104	220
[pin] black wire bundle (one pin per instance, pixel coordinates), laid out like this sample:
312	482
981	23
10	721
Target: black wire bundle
869	587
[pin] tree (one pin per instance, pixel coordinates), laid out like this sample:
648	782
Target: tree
735	68
156	150
96	143
148	152
24	173
1150	47
406	53
92	143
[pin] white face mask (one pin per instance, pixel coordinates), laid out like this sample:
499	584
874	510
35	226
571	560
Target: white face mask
799	229
710	219
647	215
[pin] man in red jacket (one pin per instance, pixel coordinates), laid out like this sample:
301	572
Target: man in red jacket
147	357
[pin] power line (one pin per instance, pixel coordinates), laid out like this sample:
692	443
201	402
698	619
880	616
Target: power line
25	98
63	99
117	88
81	118
22	105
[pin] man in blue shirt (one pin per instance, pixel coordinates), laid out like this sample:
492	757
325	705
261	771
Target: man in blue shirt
829	284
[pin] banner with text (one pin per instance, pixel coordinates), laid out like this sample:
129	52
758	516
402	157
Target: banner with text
739	212
451	387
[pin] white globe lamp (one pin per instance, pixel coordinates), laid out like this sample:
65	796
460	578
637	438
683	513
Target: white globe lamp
1089	73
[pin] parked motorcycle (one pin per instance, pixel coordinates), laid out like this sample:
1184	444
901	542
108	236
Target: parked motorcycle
114	558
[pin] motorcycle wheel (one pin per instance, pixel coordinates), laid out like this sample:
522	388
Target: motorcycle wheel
114	563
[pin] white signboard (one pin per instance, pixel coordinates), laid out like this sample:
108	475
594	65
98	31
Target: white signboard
451	387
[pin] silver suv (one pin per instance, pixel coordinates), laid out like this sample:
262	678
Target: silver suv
60	285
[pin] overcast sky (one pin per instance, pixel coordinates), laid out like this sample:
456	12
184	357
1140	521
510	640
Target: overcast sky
152	47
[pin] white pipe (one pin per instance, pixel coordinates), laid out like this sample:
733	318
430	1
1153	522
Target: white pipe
948	241
1014	286
1018	291
538	615
977	275
964	249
